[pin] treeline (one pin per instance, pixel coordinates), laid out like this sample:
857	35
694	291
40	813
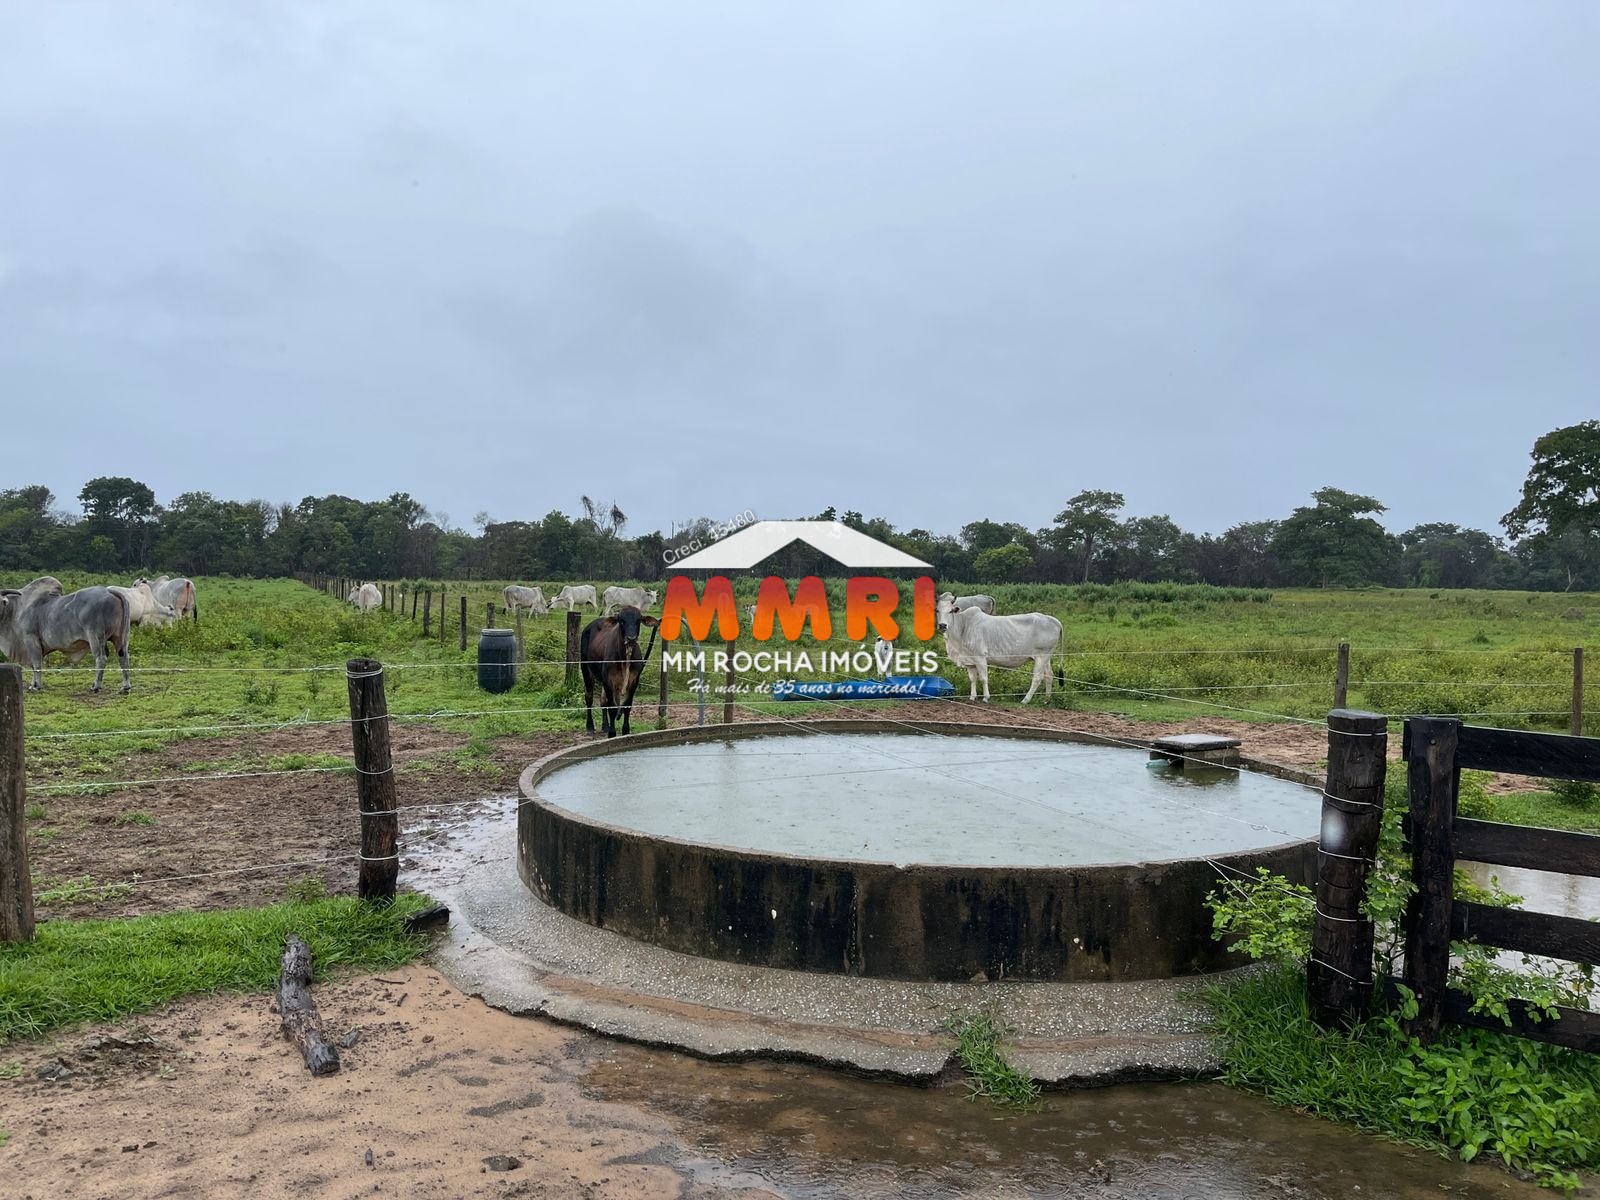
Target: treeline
1334	541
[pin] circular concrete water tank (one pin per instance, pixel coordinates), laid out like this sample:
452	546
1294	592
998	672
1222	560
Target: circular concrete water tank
861	847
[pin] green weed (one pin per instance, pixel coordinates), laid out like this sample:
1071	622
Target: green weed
1536	1107
81	890
990	1076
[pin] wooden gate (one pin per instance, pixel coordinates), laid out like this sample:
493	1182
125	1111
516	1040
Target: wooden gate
1436	750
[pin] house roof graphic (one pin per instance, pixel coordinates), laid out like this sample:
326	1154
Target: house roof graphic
849	547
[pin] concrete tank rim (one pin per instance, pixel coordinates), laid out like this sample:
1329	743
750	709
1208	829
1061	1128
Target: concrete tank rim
537	770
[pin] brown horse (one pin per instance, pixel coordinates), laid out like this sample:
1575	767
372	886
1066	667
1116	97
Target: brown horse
609	652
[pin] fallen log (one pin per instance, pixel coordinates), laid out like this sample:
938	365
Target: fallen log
438	914
298	1011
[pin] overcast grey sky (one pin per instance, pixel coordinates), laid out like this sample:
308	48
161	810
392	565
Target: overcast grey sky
931	261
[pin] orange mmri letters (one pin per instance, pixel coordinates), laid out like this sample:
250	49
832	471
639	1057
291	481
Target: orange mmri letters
874	598
924	609
682	605
810	600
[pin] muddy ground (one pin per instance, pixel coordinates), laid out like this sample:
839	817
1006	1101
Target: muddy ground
442	1097
210	843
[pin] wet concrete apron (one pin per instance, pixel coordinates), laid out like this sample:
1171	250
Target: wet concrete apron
521	955
760	1128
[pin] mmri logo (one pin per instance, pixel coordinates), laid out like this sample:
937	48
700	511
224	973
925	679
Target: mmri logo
873	604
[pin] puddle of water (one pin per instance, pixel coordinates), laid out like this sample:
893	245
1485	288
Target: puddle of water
803	1132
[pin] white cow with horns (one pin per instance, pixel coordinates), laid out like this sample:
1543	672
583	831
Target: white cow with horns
974	640
627	597
575	595
39	620
949	603
366	597
530	598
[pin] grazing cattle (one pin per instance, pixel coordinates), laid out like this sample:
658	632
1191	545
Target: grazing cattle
366	597
143	607
573	595
39	620
612	664
627	597
178	594
950	603
531	599
974	640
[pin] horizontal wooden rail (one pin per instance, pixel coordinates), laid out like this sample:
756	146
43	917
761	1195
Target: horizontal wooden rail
1570	938
1574	1028
1526	846
1550	755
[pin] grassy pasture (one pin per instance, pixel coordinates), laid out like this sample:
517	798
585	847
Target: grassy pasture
1504	657
1155	651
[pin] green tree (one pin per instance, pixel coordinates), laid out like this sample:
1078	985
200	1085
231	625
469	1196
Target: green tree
1089	519
1336	541
29	531
1154	549
1562	490
1442	555
1241	557
1002	564
122	510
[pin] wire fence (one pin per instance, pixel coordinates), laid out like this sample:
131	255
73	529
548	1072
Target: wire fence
685	704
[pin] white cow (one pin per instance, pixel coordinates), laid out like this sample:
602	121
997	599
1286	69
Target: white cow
573	595
177	593
883	652
143	607
531	599
628	597
974	639
366	597
950	603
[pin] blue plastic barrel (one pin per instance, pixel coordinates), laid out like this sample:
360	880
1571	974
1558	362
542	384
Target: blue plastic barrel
497	660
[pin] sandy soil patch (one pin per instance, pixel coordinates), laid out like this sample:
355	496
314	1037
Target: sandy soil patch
438	1097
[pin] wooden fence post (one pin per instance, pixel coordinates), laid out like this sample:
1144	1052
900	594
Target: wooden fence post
1339	975
1433	778
574	618
427	612
413	604
516	617
463	620
1577	691
380	826
488	619
728	685
1341	677
16	882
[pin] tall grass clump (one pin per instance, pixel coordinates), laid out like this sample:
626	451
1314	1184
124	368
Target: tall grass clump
1473	1091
